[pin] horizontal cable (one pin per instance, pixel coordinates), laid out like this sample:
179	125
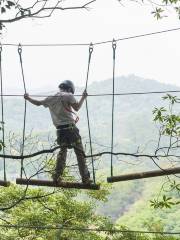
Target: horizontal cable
97	95
87	156
96	43
139	36
48	227
47	44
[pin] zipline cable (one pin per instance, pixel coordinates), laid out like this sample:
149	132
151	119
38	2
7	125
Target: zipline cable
2	115
25	108
96	43
87	111
112	124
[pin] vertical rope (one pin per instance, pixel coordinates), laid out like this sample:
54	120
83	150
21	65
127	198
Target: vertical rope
87	111
25	107
112	124
2	115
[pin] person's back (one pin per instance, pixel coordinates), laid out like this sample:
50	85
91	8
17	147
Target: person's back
60	107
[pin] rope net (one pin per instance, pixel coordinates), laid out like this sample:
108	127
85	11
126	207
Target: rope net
92	155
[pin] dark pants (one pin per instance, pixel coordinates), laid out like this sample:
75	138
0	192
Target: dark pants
68	137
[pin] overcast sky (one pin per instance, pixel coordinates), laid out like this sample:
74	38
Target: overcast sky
156	57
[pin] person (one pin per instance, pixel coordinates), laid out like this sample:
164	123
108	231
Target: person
61	107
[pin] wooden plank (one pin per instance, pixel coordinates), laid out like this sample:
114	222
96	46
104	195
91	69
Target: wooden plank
149	174
4	183
47	183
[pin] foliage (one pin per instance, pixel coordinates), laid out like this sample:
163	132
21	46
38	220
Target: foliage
161	7
13	10
165	202
40	207
6	5
134	115
168	120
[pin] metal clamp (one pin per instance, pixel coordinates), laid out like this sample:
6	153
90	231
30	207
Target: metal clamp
114	45
91	47
19	48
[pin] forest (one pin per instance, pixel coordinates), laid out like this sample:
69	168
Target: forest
129	122
150	205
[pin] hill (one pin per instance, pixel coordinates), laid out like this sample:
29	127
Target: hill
134	130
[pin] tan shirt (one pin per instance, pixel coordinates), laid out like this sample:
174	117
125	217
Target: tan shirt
59	106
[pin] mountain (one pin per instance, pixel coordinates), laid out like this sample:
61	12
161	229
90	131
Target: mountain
134	131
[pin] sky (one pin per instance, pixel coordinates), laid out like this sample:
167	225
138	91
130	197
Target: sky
153	57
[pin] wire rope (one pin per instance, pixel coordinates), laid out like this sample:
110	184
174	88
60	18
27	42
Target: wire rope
112	114
87	156
87	111
96	43
25	110
2	115
99	95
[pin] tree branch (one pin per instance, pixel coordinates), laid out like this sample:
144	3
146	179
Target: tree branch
27	12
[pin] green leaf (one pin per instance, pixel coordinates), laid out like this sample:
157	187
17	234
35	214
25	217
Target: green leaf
10	3
3	10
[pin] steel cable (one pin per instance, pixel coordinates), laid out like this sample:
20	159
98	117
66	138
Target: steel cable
2	115
25	110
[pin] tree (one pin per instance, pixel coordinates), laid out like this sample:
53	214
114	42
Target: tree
41	208
161	7
168	121
15	10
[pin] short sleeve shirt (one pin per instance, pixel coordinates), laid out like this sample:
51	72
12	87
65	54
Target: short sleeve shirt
60	108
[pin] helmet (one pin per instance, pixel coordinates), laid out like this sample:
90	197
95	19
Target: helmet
67	85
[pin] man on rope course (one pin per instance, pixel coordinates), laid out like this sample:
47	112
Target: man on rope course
60	107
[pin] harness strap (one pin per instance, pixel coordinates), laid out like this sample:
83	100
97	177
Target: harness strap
69	110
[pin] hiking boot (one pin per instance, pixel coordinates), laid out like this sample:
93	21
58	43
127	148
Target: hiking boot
87	181
56	179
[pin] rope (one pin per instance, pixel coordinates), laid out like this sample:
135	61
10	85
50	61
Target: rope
49	227
140	35
25	108
87	111
98	95
87	156
96	43
2	115
112	124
